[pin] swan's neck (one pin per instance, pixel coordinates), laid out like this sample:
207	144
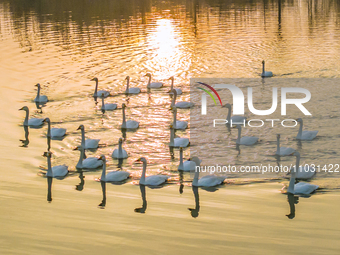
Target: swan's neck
127	85
300	130
120	150
172	84
102	178
26	118
263	71
81	158
124	120
181	157
142	179
293	176
49	129
197	198
175	118
103	107
96	89
83	138
278	145
38	92
229	115
197	173
149	81
172	138
49	167
238	136
173	102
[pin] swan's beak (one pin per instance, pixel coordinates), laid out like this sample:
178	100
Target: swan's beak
92	79
78	128
21	108
100	158
171	108
76	148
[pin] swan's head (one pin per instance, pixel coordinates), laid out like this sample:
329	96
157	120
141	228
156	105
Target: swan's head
299	120
120	140
47	154
25	108
171	78
127	78
142	159
37	85
296	153
196	160
227	106
81	127
181	148
171	126
173	108
148	75
194	212
95	79
123	105
262	62
47	120
278	136
103	158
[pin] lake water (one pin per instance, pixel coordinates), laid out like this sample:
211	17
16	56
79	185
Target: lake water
64	44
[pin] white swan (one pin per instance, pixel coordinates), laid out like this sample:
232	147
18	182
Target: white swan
207	180
181	105
188	165
54	132
179	91
301	188
99	93
178	124
130	124
130	90
246	140
114	176
56	171
40	98
120	152
108	107
153	180
88	143
265	73
177	142
236	119
282	151
33	122
88	163
305	135
153	85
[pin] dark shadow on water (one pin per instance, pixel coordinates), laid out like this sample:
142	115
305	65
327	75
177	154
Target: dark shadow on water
103	203
195	211
81	184
143	195
24	143
49	189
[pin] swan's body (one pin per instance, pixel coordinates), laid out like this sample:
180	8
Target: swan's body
120	152
33	122
114	176
108	107
54	132
88	143
88	163
283	151
56	171
131	90
178	124
246	140
181	105
99	93
178	91
177	142
264	72
207	180
301	188
130	124
305	135
186	166
305	172
40	98
153	85
153	180
236	119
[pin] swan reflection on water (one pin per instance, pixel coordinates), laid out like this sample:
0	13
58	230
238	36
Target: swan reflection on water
195	211
144	206
26	141
103	203
81	184
292	201
49	189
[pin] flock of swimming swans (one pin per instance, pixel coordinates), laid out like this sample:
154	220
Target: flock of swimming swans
60	171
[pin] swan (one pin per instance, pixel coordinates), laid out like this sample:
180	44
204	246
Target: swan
40	98
130	90
152	180
153	85
114	176
305	135
88	143
33	122
107	107
301	188
282	151
179	91
130	124
186	166
100	92
54	132
237	119
120	152
265	73
178	124
181	105
56	171
246	140
207	180
88	163
177	142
